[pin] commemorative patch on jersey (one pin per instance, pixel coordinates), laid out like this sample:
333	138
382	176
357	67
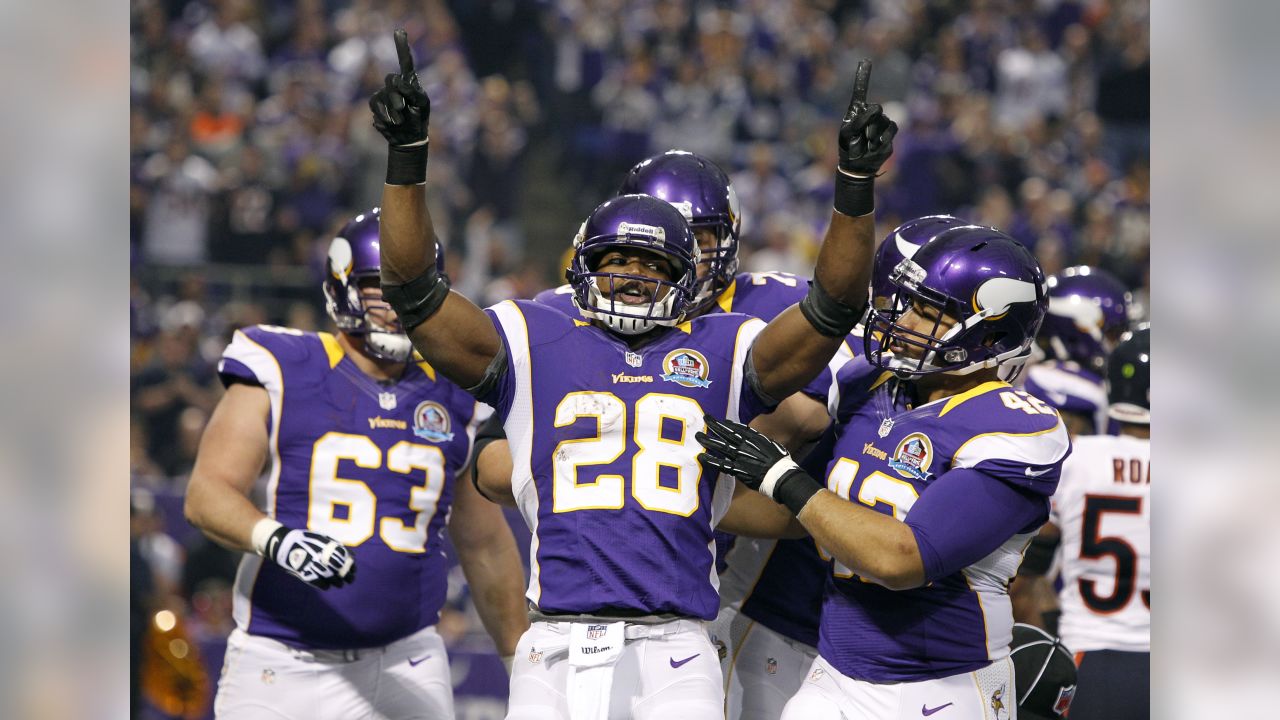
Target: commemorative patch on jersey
687	368
431	421
913	457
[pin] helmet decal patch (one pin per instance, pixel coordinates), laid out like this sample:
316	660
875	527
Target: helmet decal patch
687	368
340	258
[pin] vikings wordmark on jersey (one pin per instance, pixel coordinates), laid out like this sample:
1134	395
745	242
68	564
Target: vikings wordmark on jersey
366	463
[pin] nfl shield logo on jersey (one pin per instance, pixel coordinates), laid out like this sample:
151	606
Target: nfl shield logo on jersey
431	421
595	632
772	666
687	368
634	359
387	401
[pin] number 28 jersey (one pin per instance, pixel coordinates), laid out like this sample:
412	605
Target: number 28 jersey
369	464
1103	510
605	461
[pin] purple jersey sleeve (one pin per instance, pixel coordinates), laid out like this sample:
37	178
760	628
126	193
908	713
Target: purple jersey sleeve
967	515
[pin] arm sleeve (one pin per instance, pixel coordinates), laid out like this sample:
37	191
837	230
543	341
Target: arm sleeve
967	514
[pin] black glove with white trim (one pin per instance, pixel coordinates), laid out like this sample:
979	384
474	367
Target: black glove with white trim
401	112
760	463
312	557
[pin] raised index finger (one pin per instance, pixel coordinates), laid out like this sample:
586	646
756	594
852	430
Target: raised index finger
405	54
861	81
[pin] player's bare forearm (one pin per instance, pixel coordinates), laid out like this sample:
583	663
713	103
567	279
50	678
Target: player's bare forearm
795	423
491	562
844	261
871	544
789	353
230	458
406	235
459	340
494	468
751	514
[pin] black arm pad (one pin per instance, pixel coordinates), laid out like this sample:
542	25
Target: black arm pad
828	315
1039	555
490	431
418	299
492	374
753	381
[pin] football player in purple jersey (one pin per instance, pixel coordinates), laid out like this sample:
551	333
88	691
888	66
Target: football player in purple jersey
941	474
765	648
1088	312
600	413
362	442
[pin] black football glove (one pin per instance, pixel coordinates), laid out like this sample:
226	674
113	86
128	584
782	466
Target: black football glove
314	558
401	108
760	463
866	134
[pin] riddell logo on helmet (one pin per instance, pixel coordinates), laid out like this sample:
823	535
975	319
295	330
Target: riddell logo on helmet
650	231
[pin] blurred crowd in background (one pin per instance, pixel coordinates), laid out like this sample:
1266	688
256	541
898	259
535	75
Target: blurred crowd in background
251	143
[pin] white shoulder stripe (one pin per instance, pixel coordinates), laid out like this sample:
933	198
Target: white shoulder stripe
747	333
519	427
257	358
1043	448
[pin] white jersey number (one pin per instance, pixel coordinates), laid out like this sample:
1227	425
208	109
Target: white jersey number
676	451
875	489
356	522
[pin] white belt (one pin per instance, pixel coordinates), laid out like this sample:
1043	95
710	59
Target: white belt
594	648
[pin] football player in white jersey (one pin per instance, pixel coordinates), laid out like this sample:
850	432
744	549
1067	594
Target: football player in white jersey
1102	510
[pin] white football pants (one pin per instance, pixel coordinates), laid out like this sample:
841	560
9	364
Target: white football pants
263	679
665	671
985	694
762	669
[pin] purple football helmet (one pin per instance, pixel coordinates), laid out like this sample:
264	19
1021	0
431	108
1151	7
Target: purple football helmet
988	282
1088	312
634	221
352	261
900	244
701	191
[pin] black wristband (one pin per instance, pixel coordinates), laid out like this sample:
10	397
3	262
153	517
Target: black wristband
828	315
407	165
795	489
855	196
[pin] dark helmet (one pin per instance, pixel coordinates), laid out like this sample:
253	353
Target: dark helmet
1088	312
902	243
701	191
987	281
1043	672
353	258
634	221
1129	378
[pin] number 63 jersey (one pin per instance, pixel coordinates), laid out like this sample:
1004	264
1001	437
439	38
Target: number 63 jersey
1103	510
605	462
369	464
887	457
